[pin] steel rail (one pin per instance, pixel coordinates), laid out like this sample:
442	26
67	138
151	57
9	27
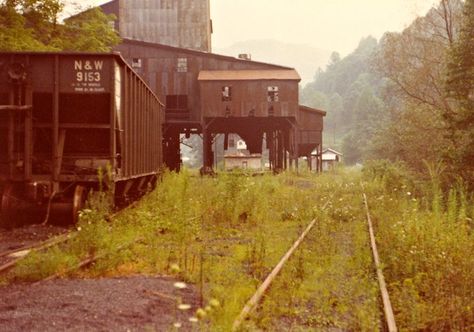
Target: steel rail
255	299
13	252
91	259
88	261
21	253
387	305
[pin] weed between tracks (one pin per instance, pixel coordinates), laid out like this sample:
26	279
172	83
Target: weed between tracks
226	234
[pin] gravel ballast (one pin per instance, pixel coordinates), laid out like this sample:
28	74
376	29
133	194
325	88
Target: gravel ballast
110	304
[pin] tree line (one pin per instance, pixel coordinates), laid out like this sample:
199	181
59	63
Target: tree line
408	97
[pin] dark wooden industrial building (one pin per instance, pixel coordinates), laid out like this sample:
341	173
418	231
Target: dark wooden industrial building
210	94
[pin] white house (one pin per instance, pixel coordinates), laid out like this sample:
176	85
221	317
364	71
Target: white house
330	158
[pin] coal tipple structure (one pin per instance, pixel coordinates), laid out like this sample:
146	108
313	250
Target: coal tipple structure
168	43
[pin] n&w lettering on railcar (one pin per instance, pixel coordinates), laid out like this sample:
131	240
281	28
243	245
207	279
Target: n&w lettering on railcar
88	71
89	75
88	65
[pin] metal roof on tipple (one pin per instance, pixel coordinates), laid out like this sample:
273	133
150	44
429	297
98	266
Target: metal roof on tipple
248	75
180	50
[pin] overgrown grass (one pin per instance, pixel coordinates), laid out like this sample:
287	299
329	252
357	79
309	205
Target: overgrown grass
426	241
225	234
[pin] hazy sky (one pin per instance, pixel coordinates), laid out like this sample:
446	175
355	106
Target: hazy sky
334	25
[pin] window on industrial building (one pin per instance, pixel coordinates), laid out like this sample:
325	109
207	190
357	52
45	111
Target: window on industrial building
136	63
182	66
272	93
226	93
176	103
231	142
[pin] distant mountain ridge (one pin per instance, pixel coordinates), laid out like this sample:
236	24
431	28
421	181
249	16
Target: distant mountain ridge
304	58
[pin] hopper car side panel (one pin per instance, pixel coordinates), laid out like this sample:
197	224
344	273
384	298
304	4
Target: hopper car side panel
139	129
65	115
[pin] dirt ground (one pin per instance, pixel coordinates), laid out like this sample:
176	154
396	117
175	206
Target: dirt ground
119	304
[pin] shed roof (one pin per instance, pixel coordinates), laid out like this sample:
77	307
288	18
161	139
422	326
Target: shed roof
327	151
249	75
332	151
313	110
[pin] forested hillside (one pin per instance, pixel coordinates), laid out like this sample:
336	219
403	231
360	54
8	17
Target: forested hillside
348	89
408	97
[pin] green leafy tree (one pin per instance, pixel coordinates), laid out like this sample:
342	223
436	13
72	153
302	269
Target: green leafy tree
414	63
337	89
460	90
315	99
412	135
368	112
42	17
460	78
90	31
14	34
334	59
414	60
336	115
34	25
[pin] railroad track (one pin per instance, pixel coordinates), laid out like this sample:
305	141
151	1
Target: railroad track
255	299
11	257
391	325
389	318
18	254
14	256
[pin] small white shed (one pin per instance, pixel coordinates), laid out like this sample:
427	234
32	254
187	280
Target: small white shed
330	158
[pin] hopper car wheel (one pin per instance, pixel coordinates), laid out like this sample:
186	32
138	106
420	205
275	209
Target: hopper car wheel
10	206
78	202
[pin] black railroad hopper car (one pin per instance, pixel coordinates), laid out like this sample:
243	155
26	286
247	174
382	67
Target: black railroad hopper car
64	116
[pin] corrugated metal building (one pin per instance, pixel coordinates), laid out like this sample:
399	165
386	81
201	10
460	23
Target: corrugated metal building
180	23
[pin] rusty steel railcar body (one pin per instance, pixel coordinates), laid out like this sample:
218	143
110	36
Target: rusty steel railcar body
64	116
